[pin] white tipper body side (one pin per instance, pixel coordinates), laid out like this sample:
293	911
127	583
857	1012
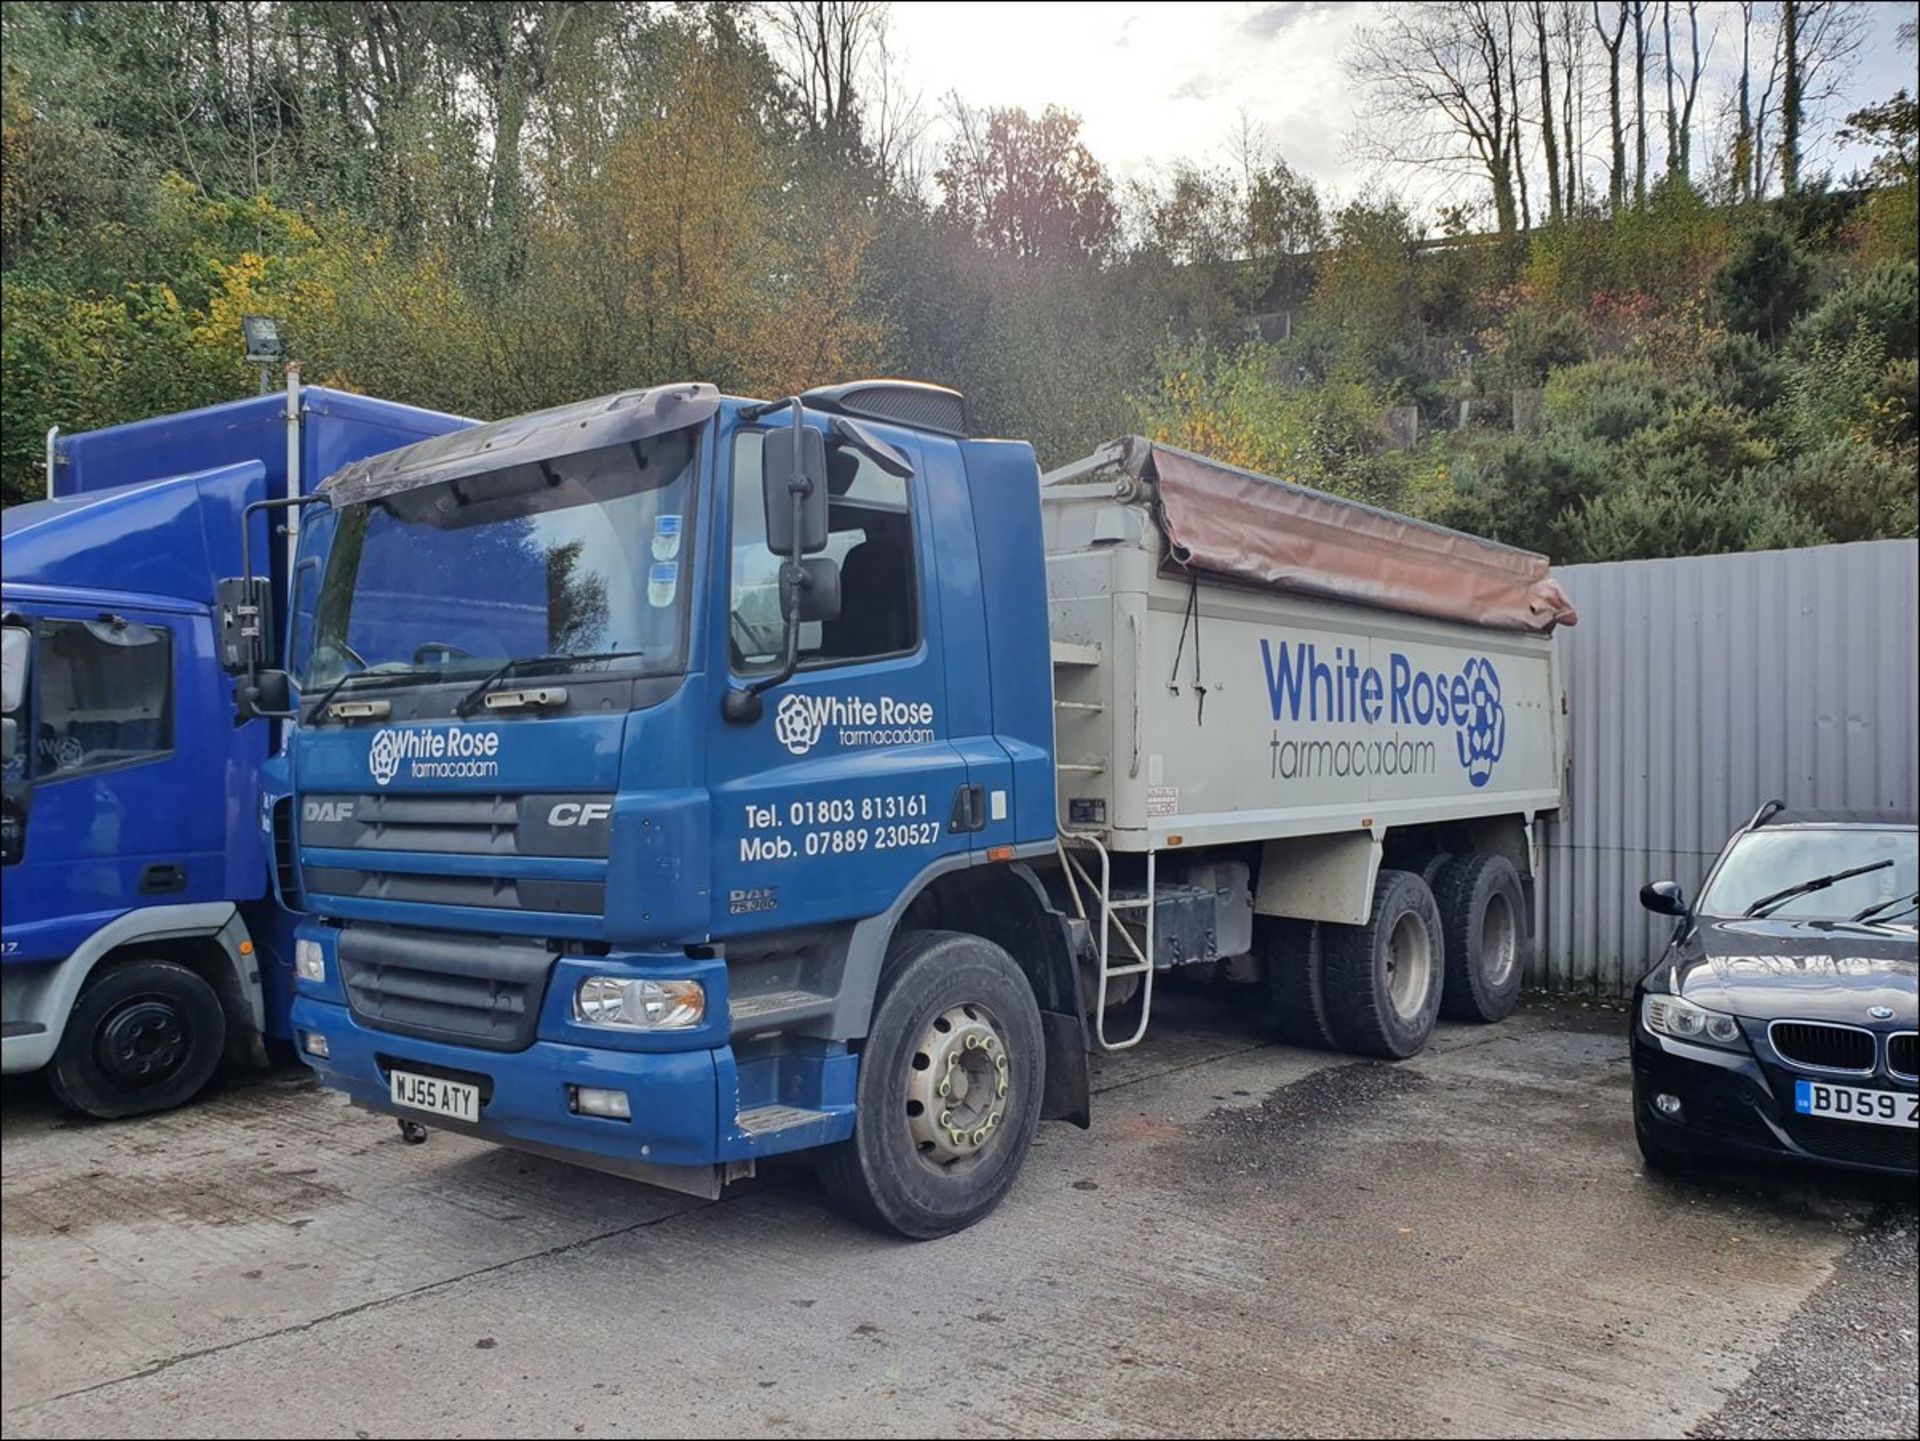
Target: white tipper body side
1319	718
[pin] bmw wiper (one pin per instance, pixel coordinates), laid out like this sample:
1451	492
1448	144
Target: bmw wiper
1766	904
1894	904
472	698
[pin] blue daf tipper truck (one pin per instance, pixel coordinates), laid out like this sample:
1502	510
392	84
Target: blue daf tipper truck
142	940
682	780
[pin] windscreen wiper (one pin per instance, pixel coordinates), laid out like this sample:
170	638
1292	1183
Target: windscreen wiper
1819	883
357	673
464	706
1896	904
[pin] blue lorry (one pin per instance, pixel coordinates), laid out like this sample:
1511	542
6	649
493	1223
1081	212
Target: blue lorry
682	780
142	941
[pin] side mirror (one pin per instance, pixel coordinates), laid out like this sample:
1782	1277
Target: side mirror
793	463
810	590
1664	898
9	740
246	620
16	643
269	693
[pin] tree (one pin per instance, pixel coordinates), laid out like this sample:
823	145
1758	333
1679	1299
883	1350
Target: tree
1547	118
1439	93
1639	104
1819	40
1765	286
826	45
1617	182
1027	187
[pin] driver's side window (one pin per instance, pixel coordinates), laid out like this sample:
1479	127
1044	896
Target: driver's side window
105	692
870	539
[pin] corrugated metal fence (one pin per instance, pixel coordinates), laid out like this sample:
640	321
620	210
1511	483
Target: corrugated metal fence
1700	688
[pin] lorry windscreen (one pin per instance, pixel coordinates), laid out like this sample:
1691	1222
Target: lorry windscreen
575	556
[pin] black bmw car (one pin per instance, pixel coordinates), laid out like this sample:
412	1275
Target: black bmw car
1780	1021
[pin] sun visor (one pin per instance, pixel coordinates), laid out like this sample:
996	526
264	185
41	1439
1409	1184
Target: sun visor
1240	526
631	415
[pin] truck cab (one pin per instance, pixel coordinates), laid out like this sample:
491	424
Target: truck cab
621	823
143	943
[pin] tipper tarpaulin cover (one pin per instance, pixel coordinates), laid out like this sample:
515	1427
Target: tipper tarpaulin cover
1251	528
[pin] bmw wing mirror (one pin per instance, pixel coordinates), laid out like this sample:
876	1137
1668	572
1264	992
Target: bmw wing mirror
1664	898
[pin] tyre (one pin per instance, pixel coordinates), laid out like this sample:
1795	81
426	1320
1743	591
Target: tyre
1482	913
949	1090
144	1036
1296	984
1383	979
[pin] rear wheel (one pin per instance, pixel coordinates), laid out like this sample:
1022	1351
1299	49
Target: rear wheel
1482	910
1296	984
144	1036
949	1090
1383	978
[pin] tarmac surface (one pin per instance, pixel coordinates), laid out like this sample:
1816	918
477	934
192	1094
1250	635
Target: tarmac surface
1252	1240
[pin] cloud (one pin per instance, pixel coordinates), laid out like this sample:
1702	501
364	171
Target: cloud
1197	86
1263	22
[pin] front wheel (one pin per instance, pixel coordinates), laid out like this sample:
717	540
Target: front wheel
949	1089
144	1036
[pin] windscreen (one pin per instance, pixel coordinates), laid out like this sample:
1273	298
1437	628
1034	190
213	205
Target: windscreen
581	556
1764	863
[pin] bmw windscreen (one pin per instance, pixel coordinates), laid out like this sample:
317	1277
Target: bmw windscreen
1807	873
551	564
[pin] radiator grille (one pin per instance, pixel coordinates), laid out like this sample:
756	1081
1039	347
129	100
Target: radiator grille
1823	1047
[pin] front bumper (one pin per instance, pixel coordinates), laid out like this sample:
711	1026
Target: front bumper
1735	1107
673	1095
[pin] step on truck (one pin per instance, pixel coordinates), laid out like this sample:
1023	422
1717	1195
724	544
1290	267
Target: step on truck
141	942
683	780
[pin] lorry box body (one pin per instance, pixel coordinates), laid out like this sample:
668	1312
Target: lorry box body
626	837
135	828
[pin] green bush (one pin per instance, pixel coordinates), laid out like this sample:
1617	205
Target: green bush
1765	286
1745	373
1653	515
1884	302
1850	490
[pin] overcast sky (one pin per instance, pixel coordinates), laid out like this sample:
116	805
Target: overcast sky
1157	82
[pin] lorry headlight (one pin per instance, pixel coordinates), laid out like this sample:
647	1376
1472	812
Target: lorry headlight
640	1005
309	961
1684	1021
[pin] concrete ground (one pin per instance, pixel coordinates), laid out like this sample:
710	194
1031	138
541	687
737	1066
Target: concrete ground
1252	1240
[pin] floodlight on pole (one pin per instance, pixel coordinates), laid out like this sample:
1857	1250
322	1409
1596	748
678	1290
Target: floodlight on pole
264	347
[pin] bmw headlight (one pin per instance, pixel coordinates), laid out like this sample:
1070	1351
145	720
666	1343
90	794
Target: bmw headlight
1684	1021
640	1005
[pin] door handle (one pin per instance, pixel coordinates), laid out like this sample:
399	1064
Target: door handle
163	878
969	809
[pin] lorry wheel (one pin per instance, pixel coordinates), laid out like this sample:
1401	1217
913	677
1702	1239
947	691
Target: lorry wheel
949	1089
144	1036
1296	984
1481	910
1383	979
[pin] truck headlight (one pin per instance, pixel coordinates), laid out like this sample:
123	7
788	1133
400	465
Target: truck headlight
1684	1021
640	1005
310	962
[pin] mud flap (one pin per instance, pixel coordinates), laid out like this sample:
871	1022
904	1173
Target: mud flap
1069	1095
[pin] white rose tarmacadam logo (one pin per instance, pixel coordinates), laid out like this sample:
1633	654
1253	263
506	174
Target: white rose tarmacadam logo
449	753
796	724
383	756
